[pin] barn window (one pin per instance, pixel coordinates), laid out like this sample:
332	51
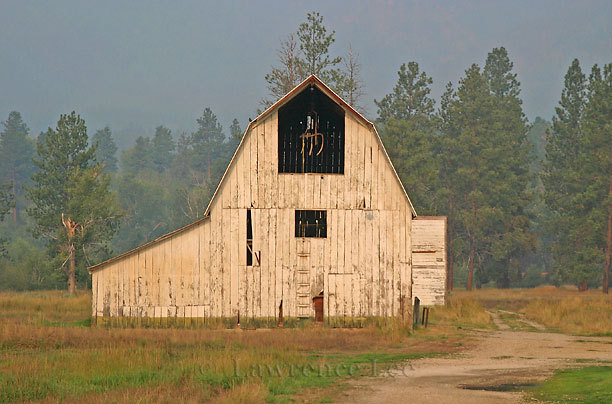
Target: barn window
311	134
311	223
249	246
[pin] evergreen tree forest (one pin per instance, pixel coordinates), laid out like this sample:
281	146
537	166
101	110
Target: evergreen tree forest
527	202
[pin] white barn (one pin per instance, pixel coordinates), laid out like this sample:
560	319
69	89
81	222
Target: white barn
310	206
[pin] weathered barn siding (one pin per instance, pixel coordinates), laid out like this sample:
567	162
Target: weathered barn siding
429	259
363	266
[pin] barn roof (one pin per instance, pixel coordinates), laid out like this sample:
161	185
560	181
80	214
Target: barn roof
312	80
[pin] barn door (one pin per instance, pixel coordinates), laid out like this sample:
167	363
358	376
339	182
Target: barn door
304	302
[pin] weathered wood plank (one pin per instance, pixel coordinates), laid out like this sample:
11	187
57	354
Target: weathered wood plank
226	283
384	280
254	167
264	274
235	257
271	129
271	272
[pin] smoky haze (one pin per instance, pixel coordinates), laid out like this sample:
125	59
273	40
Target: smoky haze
138	64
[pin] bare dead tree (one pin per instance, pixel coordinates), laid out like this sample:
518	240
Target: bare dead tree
353	86
287	74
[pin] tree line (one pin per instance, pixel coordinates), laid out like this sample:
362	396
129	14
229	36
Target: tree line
527	203
68	200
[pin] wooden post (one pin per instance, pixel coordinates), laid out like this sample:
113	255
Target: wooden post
280	315
417	308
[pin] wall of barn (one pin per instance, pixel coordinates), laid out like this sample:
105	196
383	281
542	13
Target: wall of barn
363	266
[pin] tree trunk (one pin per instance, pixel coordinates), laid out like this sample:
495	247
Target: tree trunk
208	168
606	278
471	264
449	247
15	196
71	272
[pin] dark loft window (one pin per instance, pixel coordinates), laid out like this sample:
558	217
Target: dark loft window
311	223
249	251
311	134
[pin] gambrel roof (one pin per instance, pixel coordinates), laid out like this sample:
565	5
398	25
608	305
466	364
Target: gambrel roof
312	80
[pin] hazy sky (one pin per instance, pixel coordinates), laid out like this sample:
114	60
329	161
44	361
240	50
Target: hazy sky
137	64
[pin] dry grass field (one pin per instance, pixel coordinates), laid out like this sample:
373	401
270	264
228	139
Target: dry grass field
49	352
563	310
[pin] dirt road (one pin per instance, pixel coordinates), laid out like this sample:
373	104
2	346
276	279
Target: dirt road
492	372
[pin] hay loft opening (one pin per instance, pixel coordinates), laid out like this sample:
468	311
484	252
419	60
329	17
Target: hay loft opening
311	134
311	223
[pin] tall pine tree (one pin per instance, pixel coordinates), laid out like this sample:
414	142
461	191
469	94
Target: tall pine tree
16	152
405	118
596	168
570	249
70	200
484	172
304	53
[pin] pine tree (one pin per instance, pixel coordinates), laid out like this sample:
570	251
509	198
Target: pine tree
139	158
407	130
571	254
106	149
484	174
235	130
206	142
596	168
162	149
448	163
16	152
65	193
314	45
511	185
498	70
304	53
410	96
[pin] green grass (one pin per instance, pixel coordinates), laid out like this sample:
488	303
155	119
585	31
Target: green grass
591	384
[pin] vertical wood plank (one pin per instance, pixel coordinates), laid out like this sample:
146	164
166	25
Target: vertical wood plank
348	242
341	233
263	298
271	128
235	256
254	168
264	186
368	137
226	286
383	282
272	273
